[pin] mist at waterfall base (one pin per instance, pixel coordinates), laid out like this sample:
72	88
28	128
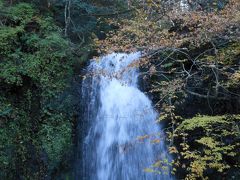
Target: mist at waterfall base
122	138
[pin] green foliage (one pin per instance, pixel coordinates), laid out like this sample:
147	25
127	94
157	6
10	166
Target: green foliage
56	140
36	63
208	144
228	55
21	13
14	137
8	36
204	122
36	66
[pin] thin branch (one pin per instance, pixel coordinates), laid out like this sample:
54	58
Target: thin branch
207	96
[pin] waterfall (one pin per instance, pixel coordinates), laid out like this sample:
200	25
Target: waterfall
124	141
184	6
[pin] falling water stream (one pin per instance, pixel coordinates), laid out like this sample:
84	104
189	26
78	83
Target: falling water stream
123	140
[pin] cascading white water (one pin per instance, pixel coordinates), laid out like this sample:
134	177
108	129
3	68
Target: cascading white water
184	5
123	138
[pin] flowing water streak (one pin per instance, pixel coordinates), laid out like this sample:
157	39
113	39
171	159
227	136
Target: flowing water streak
123	138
